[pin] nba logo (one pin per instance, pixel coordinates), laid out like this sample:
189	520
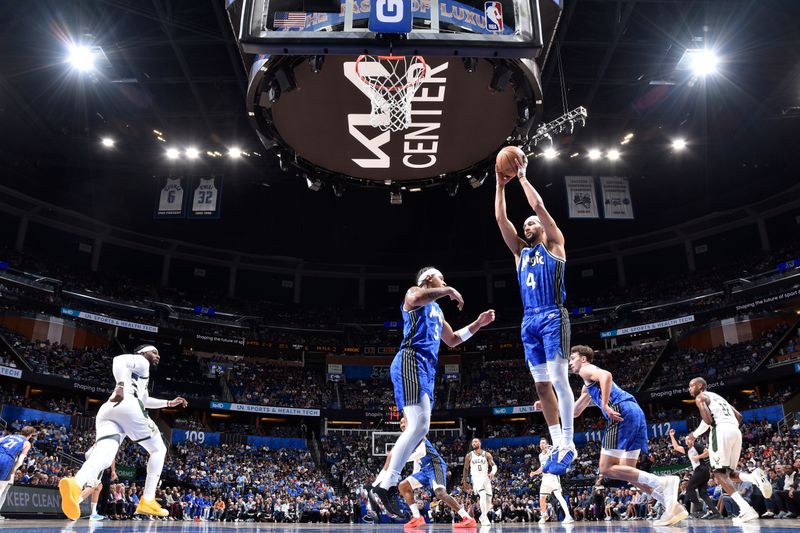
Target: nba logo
494	16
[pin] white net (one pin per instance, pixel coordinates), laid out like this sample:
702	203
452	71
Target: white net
391	82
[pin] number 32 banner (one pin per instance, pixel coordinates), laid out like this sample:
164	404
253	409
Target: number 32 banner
206	197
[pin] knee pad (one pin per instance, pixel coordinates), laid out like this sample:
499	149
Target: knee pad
540	373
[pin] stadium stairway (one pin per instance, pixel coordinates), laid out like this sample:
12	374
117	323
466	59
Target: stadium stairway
777	346
666	352
8	349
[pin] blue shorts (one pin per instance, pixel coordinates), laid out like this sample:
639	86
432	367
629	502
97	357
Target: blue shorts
630	434
412	377
546	335
6	465
432	473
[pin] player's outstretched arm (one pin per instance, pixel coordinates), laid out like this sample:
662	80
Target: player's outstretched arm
454	338
512	240
157	403
417	296
554	236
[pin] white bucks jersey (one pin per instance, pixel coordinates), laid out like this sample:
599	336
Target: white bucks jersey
205	197
721	410
478	465
170	201
138	379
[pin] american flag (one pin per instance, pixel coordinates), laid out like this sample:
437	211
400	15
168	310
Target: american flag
290	19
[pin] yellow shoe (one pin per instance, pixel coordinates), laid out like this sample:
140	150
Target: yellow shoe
70	492
150	507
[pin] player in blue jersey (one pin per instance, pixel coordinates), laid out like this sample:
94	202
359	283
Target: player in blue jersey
626	434
540	260
13	450
414	367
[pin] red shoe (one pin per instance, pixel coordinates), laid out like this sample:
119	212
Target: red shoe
466	522
415	522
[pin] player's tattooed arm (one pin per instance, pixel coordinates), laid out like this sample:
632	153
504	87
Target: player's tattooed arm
702	402
454	338
417	296
492	464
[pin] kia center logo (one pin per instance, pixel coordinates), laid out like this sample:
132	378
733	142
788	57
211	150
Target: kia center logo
456	121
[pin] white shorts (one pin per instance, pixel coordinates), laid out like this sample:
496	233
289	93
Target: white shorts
550	484
620	454
128	418
725	446
482	484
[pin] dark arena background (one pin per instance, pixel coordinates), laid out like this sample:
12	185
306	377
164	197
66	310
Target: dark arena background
251	187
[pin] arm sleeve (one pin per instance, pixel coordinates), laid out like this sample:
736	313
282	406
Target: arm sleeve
701	429
154	403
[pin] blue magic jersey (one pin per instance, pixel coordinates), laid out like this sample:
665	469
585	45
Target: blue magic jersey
422	329
541	278
12	445
616	397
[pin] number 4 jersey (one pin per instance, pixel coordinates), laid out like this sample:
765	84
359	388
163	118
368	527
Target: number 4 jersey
541	279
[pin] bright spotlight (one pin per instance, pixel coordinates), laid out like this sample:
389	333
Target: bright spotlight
81	58
704	63
595	154
108	142
192	153
612	155
678	144
550	153
234	152
173	153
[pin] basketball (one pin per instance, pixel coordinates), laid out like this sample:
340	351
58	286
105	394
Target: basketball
507	160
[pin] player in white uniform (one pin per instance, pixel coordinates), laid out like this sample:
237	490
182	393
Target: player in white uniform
482	469
550	485
725	447
124	415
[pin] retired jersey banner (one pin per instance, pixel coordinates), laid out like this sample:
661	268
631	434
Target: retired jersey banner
616	198
171	197
205	198
581	197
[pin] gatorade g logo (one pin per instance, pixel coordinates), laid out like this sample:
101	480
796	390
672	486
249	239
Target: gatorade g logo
390	16
390	11
494	16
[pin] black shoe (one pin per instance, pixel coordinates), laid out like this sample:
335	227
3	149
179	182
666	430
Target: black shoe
389	503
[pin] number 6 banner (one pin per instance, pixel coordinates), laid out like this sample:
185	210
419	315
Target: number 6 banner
206	197
170	197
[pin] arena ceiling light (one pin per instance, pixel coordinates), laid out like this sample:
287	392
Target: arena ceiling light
612	155
108	142
234	152
173	153
81	58
192	153
679	144
550	153
704	62
595	154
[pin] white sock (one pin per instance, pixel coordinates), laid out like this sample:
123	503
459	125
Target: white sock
101	458
750	478
381	476
418	421
744	507
562	502
94	507
414	510
555	434
463	513
559	377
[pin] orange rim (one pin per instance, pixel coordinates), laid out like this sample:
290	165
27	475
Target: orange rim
391	58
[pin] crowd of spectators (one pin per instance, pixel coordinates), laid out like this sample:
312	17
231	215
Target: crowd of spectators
716	363
789	352
272	384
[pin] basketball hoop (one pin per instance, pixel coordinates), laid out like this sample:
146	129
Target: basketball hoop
391	82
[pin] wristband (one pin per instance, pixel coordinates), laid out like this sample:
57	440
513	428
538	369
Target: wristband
120	385
464	333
